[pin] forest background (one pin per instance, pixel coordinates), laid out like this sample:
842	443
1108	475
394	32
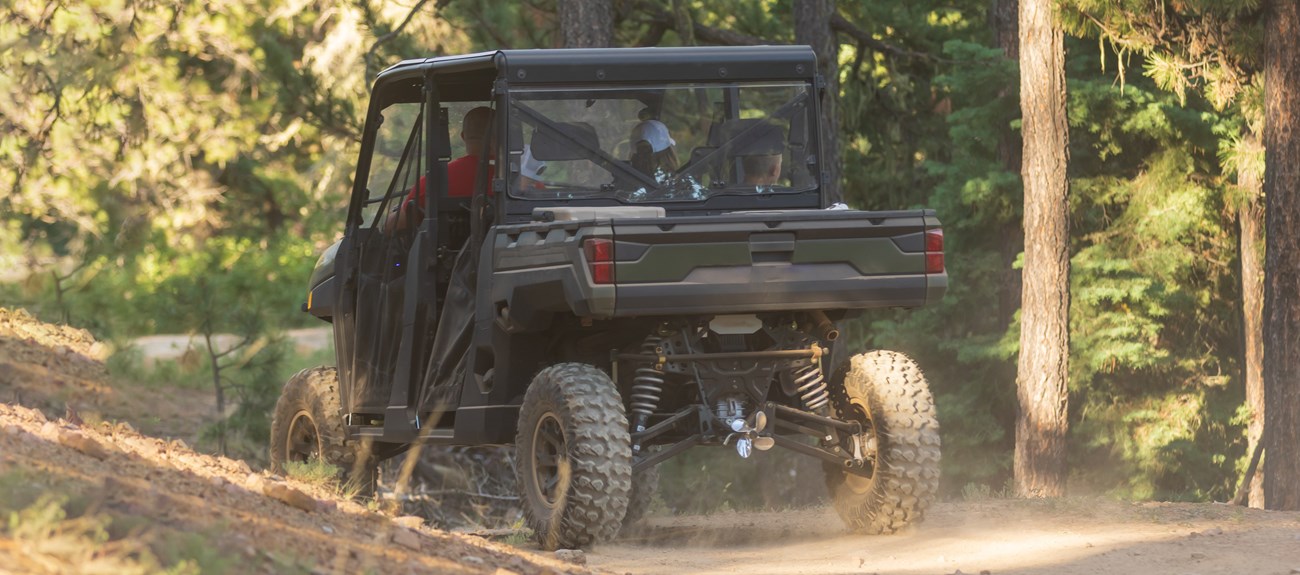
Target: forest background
176	167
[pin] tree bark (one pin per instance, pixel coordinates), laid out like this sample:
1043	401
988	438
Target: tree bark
586	23
812	26
1004	19
1251	219
685	23
1042	373
1282	255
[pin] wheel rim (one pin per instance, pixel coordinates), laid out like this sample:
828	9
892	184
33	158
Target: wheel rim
303	442
550	460
861	413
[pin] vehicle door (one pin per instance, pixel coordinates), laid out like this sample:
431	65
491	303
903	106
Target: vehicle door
375	248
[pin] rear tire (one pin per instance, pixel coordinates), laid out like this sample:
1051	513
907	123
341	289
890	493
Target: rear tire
644	486
573	457
308	424
888	394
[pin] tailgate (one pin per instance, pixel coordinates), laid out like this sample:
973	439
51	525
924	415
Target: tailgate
772	261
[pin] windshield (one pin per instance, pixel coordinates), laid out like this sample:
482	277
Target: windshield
662	143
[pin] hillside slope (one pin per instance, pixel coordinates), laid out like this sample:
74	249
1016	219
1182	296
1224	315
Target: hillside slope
104	498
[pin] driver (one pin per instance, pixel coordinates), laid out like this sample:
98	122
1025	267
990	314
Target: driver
760	157
763	170
475	130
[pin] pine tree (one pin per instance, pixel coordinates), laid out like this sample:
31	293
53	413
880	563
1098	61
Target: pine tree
1282	256
1043	370
1212	47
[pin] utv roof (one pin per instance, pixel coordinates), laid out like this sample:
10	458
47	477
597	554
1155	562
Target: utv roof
616	65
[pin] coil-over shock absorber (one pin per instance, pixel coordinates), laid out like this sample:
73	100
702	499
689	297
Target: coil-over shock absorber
648	384
810	384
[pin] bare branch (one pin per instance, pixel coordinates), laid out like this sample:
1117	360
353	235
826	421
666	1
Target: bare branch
374	47
653	36
863	38
491	30
660	17
248	339
398	30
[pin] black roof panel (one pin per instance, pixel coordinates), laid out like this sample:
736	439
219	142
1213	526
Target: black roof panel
594	65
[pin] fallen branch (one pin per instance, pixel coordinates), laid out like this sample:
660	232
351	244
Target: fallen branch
1243	489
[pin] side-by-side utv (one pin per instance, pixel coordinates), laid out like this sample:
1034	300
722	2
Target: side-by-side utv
603	313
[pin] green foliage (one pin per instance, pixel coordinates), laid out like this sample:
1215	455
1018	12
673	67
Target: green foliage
967	344
1212	45
892	105
1153	323
315	472
1153	326
58	528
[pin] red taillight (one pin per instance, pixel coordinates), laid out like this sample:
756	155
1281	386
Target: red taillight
602	272
599	250
600	258
934	251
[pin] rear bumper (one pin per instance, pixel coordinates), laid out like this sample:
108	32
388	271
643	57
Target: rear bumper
760	288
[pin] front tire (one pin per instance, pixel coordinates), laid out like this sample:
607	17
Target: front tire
308	424
573	457
887	393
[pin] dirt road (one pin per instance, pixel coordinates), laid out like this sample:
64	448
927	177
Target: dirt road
1074	536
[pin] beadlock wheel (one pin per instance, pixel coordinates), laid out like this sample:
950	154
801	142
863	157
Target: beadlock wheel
573	457
887	394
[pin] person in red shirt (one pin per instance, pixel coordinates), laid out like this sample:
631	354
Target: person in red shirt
461	172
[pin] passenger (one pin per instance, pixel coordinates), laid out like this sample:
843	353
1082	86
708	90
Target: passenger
530	171
764	170
461	172
653	150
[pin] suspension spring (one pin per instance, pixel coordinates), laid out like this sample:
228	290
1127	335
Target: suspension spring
811	385
647	385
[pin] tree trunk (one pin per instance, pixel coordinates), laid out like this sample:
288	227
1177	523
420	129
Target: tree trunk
685	24
1004	20
1042	374
586	23
1251	219
812	26
218	390
1282	255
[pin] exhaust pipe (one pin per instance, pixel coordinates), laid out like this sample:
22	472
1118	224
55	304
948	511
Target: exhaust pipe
823	327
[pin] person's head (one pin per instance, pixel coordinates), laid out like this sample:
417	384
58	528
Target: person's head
653	150
475	128
764	170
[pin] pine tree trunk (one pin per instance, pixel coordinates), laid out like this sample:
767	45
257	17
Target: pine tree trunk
218	389
1004	20
1251	218
1282	255
812	26
1042	374
586	23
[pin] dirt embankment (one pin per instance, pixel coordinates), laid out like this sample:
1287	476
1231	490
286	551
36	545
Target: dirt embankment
102	497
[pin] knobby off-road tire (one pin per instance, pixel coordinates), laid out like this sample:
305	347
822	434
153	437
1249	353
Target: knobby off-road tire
308	424
644	486
887	393
573	457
